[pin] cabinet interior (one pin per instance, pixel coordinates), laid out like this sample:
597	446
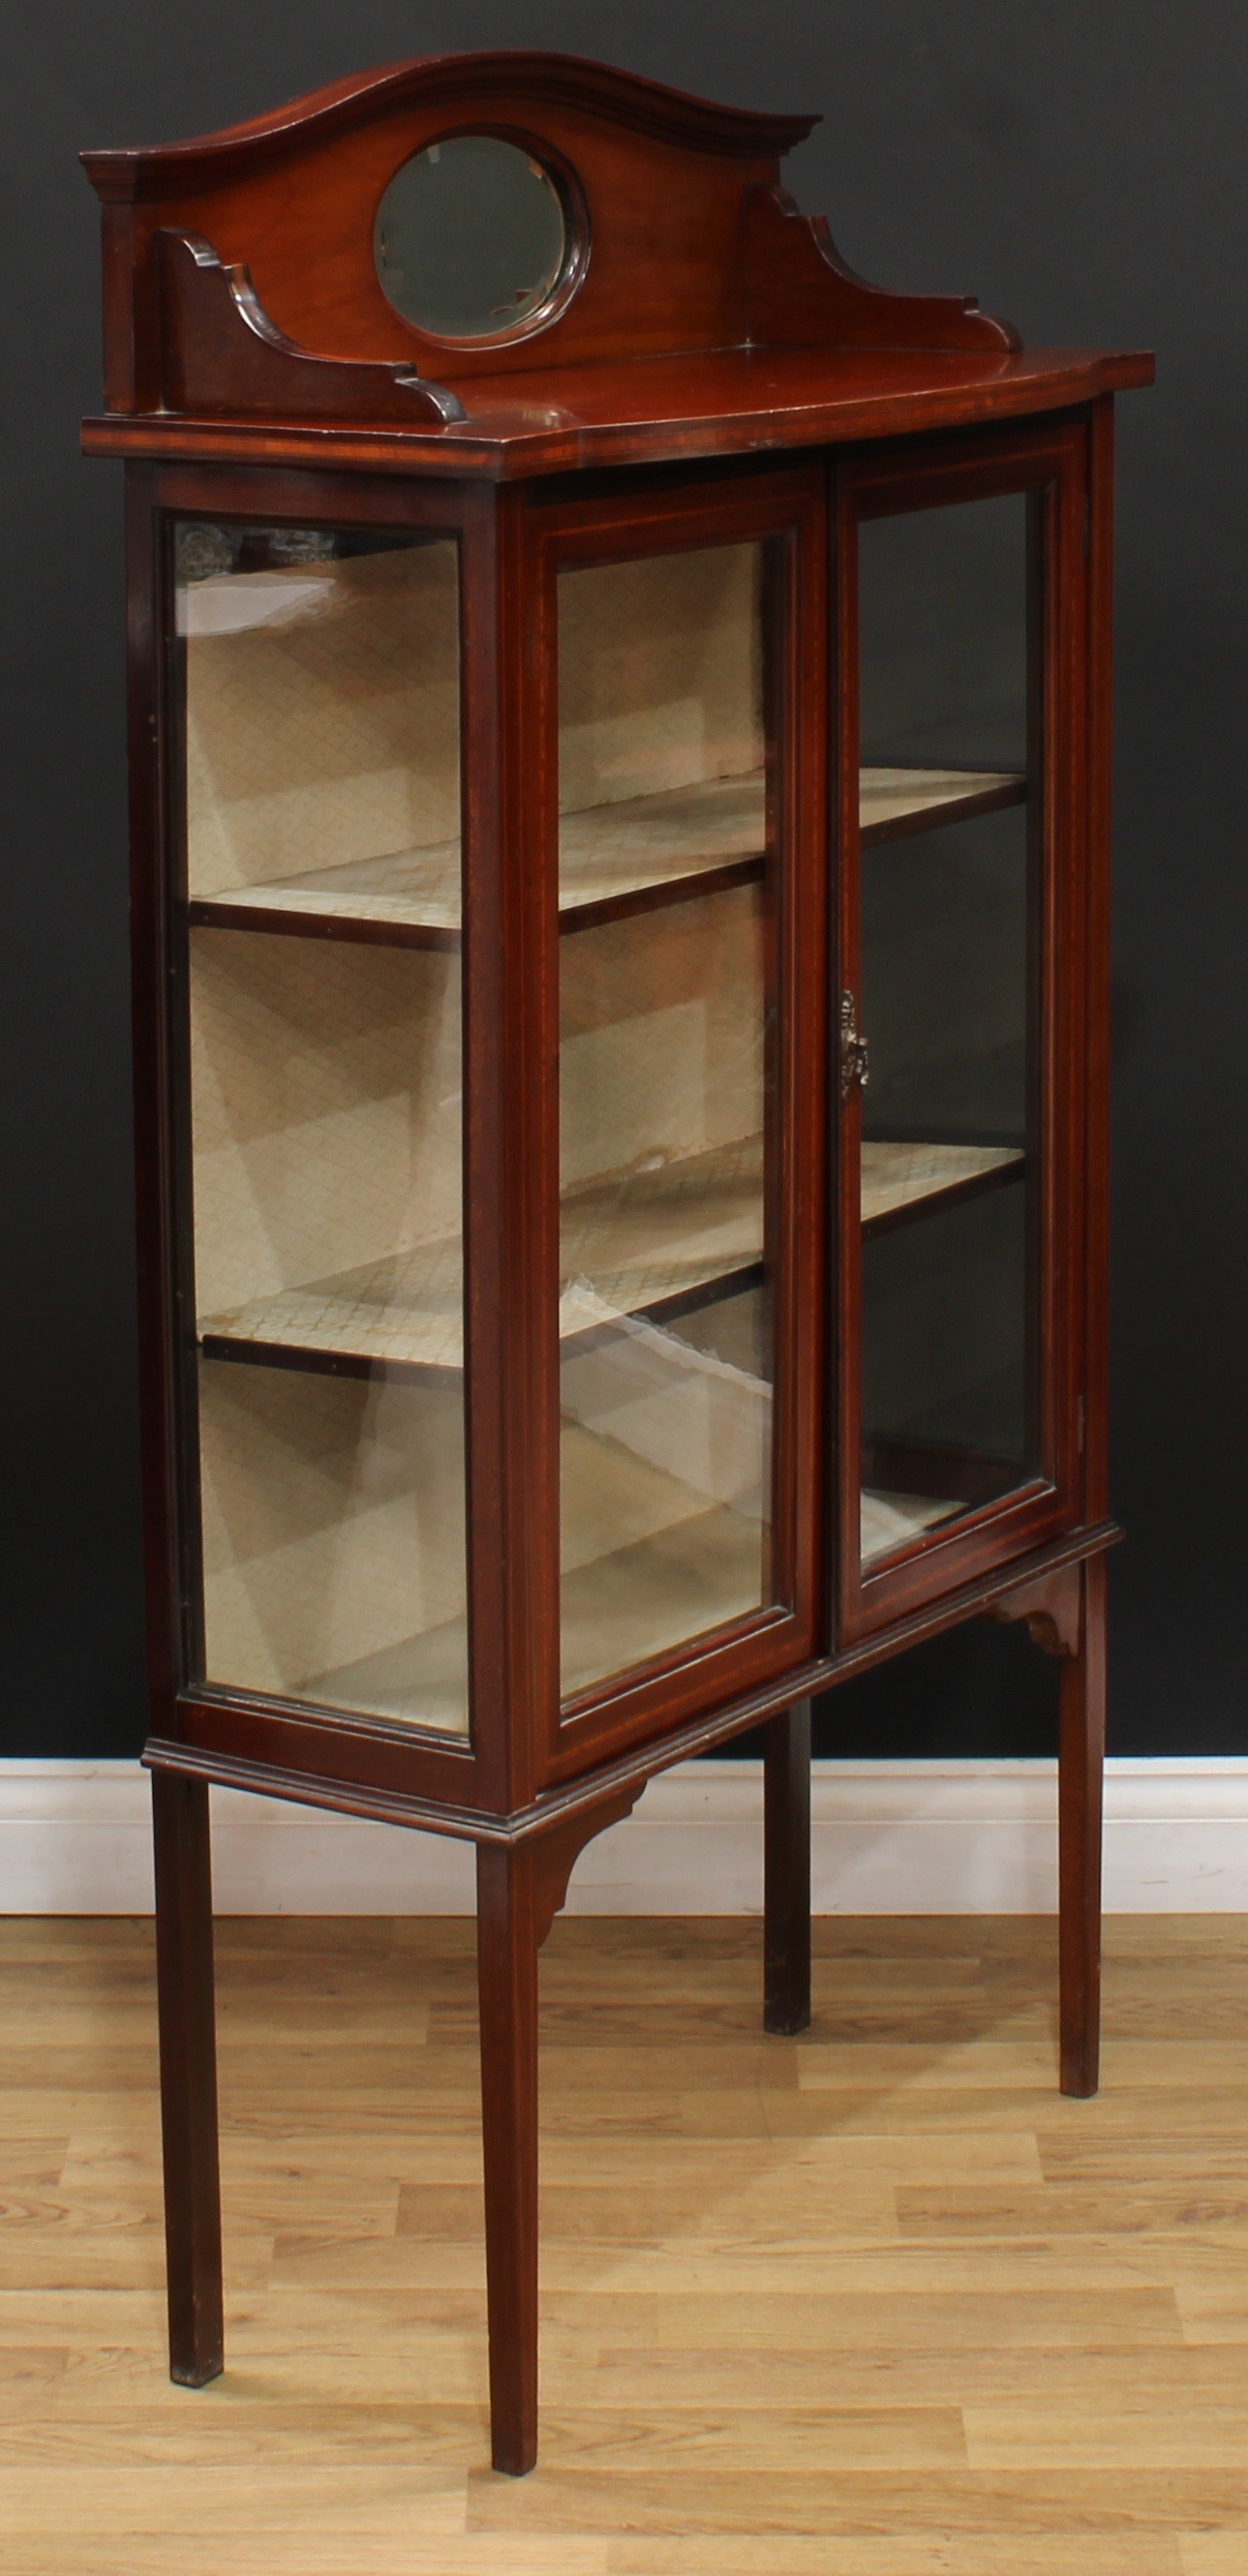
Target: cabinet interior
322	783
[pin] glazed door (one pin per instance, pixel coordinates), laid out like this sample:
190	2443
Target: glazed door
684	823
961	612
318	930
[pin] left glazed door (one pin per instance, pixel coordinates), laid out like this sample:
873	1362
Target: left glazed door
319	799
681	859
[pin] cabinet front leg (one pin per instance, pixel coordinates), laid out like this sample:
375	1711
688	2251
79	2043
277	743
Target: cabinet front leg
508	1936
786	1871
1081	1766
188	2076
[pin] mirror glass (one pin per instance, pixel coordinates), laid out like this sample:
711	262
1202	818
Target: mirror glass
470	237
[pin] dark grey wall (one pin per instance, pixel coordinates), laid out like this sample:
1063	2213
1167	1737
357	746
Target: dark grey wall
1081	170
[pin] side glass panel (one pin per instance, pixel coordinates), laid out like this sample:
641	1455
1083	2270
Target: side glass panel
321	676
666	1121
949	791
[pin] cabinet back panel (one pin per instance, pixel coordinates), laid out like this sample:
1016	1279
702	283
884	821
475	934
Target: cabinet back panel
326	729
661	1036
326	1103
333	1537
660	674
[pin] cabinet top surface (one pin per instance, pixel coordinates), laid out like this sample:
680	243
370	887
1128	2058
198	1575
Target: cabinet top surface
511	264
659	410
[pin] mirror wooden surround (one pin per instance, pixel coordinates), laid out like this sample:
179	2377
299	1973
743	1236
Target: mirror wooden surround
620	879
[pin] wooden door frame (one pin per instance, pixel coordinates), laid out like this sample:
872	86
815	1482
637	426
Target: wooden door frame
1052	458
635	517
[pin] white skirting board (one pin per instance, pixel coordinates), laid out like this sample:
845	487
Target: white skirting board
889	1838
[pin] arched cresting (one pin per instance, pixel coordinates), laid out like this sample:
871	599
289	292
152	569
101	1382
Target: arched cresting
471	216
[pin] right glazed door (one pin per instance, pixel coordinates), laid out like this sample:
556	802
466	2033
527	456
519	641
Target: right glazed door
957	1024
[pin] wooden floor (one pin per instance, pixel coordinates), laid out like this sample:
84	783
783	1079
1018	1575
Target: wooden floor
869	2303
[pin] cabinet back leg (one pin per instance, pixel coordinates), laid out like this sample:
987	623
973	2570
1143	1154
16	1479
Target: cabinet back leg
1081	1767
786	1871
508	1937
188	2076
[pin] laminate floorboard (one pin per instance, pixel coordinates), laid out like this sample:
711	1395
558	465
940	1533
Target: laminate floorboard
873	2302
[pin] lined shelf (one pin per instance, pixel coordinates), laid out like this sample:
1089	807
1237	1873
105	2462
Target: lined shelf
691	1561
894	802
682	1557
619	1610
630	1243
623	1608
653	1241
420	1681
627	1606
891	1521
694	1574
691	1569
614	859
900	1182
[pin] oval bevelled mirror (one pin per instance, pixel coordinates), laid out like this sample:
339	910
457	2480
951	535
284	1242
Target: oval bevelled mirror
471	239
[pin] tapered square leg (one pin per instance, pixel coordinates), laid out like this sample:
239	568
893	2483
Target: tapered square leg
188	2076
508	1937
1080	1788
786	1871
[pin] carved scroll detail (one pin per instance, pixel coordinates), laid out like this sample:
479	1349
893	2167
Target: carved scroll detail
557	1850
802	295
1050	1610
222	357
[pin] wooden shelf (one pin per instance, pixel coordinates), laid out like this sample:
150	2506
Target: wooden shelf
693	1569
655	1242
620	1610
649	849
627	857
420	1681
631	1243
895	802
891	1521
332	1525
641	1242
634	856
402	1312
651	1597
902	1182
910	1486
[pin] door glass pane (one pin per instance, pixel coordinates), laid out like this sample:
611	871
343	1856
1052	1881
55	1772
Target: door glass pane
322	830
949	790
666	1145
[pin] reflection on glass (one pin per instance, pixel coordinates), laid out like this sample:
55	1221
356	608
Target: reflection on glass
666	1303
322	806
470	237
948	973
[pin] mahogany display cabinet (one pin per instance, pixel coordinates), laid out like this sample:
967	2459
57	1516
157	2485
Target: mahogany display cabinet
619	735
